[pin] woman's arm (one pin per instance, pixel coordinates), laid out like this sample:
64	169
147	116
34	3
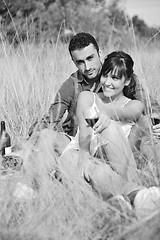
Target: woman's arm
131	112
85	101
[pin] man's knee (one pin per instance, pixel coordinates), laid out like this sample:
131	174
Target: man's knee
52	138
61	142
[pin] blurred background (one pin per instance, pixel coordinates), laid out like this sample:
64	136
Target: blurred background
49	20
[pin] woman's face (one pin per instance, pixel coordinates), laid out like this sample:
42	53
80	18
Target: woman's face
113	85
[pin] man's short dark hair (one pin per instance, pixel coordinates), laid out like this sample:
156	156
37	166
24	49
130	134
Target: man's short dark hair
82	40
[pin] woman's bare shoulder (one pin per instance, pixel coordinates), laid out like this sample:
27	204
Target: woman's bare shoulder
85	96
136	103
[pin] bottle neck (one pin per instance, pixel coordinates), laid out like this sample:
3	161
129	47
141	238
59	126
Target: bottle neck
5	140
3	127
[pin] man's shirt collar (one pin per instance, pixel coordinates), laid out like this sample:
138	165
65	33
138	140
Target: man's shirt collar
78	75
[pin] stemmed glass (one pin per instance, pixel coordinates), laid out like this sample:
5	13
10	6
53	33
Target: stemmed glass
97	146
155	118
91	116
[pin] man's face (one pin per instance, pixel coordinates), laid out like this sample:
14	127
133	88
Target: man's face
87	60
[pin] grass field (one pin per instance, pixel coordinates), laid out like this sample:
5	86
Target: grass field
30	75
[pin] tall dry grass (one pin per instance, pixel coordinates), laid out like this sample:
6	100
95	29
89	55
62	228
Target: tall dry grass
30	76
67	209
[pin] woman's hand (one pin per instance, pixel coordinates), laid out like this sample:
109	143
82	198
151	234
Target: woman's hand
86	165
86	169
102	123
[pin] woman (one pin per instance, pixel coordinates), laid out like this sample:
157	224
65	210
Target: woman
117	101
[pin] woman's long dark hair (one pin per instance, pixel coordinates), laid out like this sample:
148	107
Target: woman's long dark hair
123	64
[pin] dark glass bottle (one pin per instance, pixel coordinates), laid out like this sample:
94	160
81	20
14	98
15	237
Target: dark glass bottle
5	140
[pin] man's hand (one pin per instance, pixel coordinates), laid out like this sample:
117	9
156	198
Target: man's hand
102	123
156	124
156	130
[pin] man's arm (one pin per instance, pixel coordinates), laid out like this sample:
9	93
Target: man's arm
61	103
57	109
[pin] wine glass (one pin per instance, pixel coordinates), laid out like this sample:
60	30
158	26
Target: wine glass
155	118
91	115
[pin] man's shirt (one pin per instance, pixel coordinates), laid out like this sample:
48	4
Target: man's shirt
66	101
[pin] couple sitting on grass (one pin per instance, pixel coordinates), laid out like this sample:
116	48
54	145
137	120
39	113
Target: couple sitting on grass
106	159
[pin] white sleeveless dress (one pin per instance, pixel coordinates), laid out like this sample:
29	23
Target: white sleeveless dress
126	127
118	159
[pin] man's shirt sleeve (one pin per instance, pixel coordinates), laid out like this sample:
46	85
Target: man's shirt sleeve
57	110
62	101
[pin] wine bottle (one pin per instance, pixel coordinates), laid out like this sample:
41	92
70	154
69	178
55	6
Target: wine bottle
5	140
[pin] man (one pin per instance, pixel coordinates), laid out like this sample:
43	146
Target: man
85	54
